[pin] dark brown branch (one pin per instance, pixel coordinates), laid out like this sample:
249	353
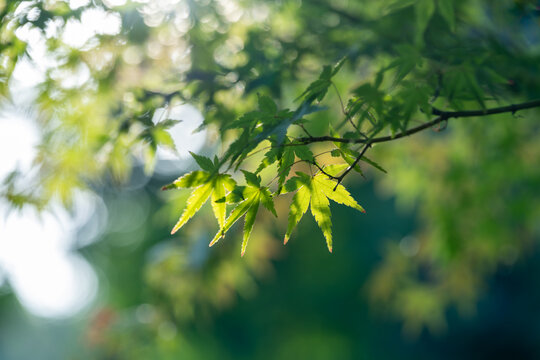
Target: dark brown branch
504	109
442	116
372	141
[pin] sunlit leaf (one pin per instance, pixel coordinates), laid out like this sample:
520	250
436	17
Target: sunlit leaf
320	209
193	179
299	206
222	184
197	198
338	194
315	192
217	185
251	214
253	196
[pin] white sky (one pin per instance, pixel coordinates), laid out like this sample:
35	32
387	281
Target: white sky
36	256
48	279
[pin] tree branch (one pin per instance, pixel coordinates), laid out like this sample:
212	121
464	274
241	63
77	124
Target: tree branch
498	110
442	116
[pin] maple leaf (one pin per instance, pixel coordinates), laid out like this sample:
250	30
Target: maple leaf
314	192
254	194
205	183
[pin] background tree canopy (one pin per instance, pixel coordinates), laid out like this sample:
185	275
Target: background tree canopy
422	112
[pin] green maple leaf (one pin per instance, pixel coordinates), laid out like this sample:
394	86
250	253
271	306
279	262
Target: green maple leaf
254	195
314	192
205	184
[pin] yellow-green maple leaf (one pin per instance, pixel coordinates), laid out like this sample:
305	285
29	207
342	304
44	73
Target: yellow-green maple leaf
249	207
314	192
206	184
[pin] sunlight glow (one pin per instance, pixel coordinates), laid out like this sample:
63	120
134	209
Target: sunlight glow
185	139
18	138
75	4
47	278
114	3
38	258
93	22
35	249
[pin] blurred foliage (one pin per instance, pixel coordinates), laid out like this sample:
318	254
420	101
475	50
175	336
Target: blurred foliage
287	86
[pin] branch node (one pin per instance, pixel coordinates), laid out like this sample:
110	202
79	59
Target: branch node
332	177
351	166
442	125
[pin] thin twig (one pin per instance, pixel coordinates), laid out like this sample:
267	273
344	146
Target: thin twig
372	119
294	163
343	110
351	166
324	172
255	152
340	100
305	130
438	89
